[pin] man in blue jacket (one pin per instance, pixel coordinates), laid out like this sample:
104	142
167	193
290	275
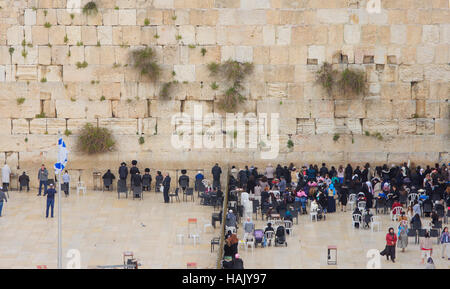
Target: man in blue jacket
51	192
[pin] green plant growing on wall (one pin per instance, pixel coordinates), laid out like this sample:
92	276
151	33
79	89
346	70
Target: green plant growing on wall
24	53
214	86
203	51
144	60
116	8
336	137
166	90
79	43
20	100
174	17
141	140
72	16
40	115
351	82
73	99
156	36
66	39
367	133
90	8
290	144
94	140
26	139
191	46
178	37
11	50
348	82
146	22
378	136
102	98
45	12
47	25
233	73
67	132
43	79
83	64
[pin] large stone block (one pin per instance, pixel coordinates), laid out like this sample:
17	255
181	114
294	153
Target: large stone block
430	34
120	126
352	34
382	126
71	109
132	108
410	73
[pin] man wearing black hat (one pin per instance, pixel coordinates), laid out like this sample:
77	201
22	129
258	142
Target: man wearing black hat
133	170
123	172
146	180
50	199
183	180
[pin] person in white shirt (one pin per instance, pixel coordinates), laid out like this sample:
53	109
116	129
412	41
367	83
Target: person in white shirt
6	173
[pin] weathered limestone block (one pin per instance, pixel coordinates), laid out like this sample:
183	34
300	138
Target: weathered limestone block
45	55
75	125
425	54
398	34
322	108
332	16
432	109
73	74
403	109
317	52
127	17
149	126
277	89
184	73
52	73
430	34
160	108
406	126
131	35
76	54
442	126
379	109
437	72
305	126
56	35
354	125
187	33
55	125
111	90
167	35
254	4
120	126
98	109
283	35
38	126
279	73
425	126
26	72
60	55
325	125
40	35
205	35
410	73
130	109
190	106
89	35
71	109
104	34
349	108
19	126
383	126
439	90
352	34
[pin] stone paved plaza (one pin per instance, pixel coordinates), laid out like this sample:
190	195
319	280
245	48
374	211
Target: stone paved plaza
102	227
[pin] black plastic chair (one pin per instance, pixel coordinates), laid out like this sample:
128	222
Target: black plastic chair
256	207
438	225
175	195
380	204
413	233
434	233
214	241
122	188
189	192
421	233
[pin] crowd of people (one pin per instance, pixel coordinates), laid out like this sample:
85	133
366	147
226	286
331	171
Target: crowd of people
418	192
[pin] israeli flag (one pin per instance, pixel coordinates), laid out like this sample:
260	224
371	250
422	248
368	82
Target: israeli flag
62	156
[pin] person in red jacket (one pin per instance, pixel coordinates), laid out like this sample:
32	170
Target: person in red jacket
391	241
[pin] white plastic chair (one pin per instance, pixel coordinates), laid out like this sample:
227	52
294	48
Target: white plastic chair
375	220
269	237
411	198
195	238
352	201
313	214
356	219
81	187
288	226
361	206
249	241
232	229
396	212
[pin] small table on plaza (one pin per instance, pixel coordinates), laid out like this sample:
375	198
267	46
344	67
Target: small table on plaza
332	261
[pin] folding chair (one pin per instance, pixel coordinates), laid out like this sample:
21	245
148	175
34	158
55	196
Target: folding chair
175	195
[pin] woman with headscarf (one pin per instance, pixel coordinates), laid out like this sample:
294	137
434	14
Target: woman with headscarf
231	246
391	240
402	236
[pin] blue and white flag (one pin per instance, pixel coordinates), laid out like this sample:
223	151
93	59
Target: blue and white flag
62	156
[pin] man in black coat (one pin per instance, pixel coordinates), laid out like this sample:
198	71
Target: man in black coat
216	172
51	192
133	170
183	180
323	170
123	172
166	185
24	181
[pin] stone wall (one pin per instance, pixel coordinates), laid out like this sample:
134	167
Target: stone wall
404	50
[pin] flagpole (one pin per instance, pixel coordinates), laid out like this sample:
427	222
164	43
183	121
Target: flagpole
59	217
